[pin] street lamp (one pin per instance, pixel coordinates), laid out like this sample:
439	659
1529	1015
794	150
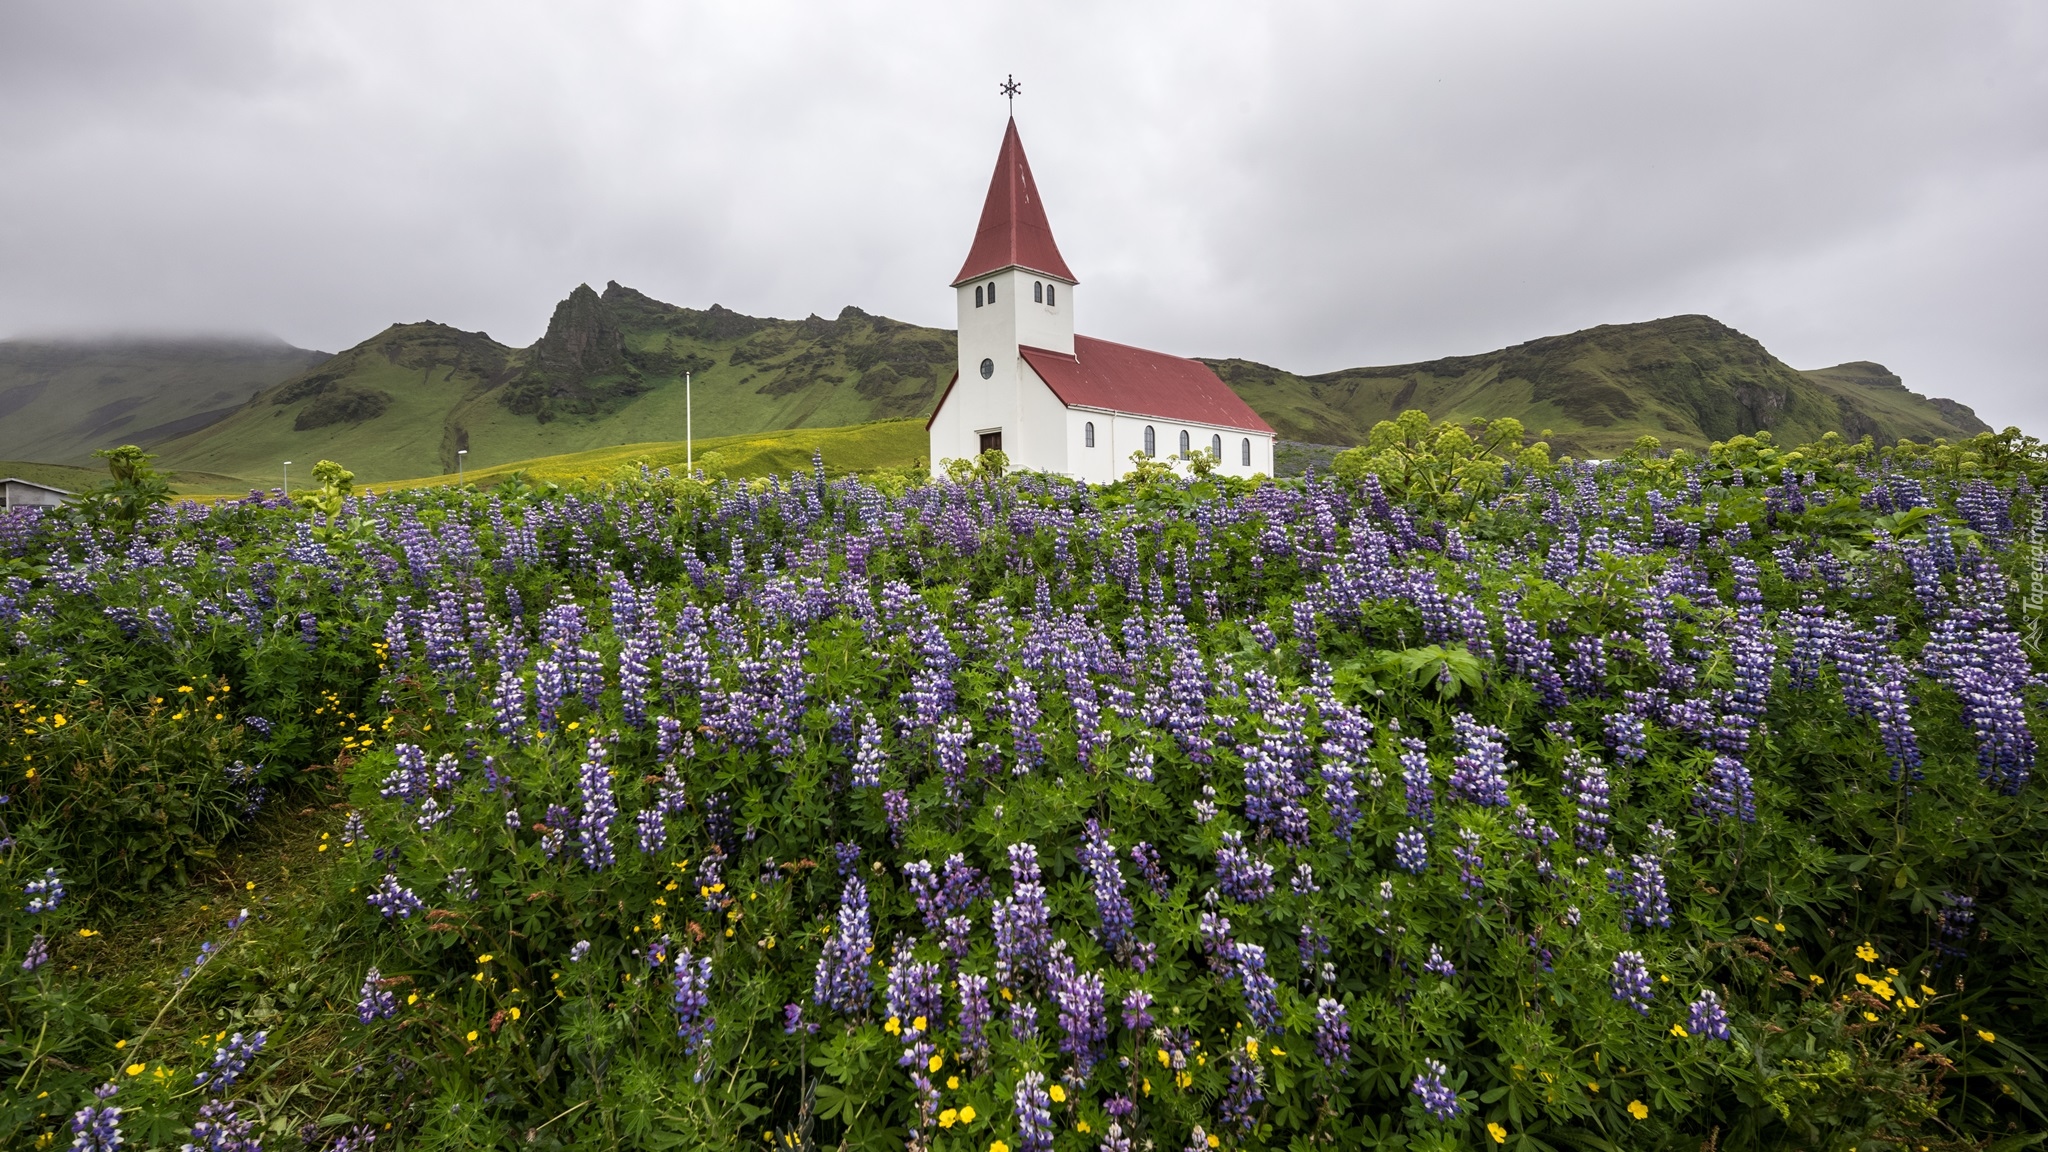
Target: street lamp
689	429
459	454
287	477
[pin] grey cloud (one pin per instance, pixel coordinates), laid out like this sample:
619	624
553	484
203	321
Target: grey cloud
1315	185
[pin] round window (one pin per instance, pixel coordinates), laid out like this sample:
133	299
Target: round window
988	369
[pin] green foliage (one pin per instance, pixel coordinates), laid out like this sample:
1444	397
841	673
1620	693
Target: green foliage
134	487
1442	467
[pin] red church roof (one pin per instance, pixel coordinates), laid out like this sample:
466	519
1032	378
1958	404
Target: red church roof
1139	382
1013	228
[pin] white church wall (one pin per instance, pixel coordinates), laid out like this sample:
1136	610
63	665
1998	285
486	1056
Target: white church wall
1117	435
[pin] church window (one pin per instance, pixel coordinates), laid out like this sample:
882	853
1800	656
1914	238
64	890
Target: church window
1184	442
988	369
977	295
1088	434
1216	448
1151	446
991	291
1038	291
1247	451
1049	290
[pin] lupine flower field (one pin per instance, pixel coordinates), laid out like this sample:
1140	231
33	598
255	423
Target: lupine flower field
1456	798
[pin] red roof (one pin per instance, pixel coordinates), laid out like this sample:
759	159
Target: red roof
1139	382
1013	228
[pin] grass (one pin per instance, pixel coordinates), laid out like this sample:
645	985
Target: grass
858	448
73	478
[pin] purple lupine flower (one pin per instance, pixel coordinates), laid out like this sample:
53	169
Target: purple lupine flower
230	1061
1411	851
1034	1114
1139	766
895	811
842	983
692	1001
974	1012
1628	736
1137	1010
1437	1098
652	830
1333	1032
550	686
949	752
600	808
578	951
1726	792
1243	1092
912	992
221	1128
1649	903
410	782
1706	1017
375	1002
1585	780
38	954
45	894
793	1021
1146	858
1023	1020
1479	773
1260	989
1438	964
97	1127
1471	865
1632	981
1099	857
1241	875
1586	672
508	703
1022	923
870	759
393	899
1020	700
1416	782
1083	1014
636	657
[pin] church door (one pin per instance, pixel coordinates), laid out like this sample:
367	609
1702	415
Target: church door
992	441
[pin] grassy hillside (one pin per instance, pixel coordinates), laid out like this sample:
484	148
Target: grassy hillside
61	399
860	448
609	371
75	478
1687	380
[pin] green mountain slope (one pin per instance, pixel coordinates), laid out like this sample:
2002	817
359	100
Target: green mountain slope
62	399
609	371
1687	380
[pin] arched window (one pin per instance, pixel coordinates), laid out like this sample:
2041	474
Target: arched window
1216	448
1183	442
1050	289
1038	291
991	291
977	295
1151	446
1088	434
1247	451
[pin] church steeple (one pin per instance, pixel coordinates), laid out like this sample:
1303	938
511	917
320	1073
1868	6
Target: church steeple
1013	232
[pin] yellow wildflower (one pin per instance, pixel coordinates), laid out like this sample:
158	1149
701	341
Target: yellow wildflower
998	1146
1081	1126
953	1083
1059	1092
135	1069
514	1013
1679	1031
472	1036
894	1027
936	1063
967	1114
947	1118
1164	1059
484	959
920	1024
1639	1110
1499	1134
1866	952
1986	1037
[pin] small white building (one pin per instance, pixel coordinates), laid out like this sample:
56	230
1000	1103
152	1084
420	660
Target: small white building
1053	401
18	493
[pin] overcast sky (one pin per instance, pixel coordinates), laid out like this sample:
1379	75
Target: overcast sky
1316	186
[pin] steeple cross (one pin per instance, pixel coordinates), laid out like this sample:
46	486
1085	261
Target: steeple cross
1010	89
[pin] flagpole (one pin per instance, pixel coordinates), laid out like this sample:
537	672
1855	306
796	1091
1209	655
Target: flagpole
689	429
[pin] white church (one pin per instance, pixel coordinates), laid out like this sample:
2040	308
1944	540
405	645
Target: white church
1056	402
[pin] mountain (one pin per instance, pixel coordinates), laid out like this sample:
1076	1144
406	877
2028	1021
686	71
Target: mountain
1687	380
609	371
61	399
